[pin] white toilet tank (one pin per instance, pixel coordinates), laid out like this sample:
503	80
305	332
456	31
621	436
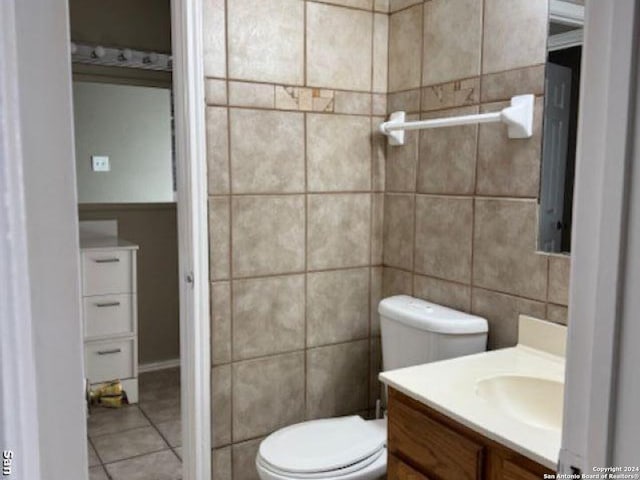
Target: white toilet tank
415	331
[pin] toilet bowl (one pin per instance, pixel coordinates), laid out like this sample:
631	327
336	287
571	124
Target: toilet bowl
344	448
349	448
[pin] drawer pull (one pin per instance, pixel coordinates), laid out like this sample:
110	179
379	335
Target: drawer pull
108	304
109	352
107	260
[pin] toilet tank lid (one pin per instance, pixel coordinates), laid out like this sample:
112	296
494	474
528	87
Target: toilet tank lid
430	317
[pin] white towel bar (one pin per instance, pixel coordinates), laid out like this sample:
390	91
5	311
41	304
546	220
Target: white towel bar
518	117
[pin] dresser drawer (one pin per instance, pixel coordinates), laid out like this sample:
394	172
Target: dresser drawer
109	315
109	360
437	451
108	271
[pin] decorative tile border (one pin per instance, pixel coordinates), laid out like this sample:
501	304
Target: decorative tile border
304	99
452	94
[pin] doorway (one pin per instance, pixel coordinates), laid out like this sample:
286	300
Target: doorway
135	205
50	436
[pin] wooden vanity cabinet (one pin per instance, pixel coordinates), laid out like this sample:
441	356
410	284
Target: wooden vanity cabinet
425	445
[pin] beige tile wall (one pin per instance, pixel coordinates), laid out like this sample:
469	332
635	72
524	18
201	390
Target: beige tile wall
294	91
460	208
313	219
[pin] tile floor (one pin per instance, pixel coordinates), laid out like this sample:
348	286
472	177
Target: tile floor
139	442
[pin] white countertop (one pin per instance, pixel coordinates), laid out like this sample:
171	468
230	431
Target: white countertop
105	243
449	387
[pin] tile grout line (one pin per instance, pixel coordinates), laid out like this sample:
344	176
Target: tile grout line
475	173
346	7
101	464
494	197
298	193
164	439
294	351
418	141
306	266
442	109
304	44
546	307
298	110
364	92
423	29
123	430
479	287
466	78
499	198
229	253
129	429
385	155
371	204
296	273
305	116
288	85
140	456
402	9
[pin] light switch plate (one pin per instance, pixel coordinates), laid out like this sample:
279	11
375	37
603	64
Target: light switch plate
100	163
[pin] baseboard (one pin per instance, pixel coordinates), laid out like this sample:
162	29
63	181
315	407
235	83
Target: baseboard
161	365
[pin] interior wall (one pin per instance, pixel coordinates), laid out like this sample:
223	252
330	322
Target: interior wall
461	203
153	227
294	90
144	25
139	24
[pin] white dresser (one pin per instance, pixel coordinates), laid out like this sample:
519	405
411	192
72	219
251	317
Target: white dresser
110	311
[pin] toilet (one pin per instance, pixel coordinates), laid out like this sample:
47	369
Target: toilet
350	448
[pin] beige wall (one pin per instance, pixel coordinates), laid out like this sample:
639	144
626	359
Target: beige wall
461	203
136	24
295	178
154	228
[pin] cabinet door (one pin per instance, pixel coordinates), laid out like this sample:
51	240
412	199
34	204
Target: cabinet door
438	451
511	471
397	470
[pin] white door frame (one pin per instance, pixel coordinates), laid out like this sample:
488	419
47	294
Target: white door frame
18	398
188	81
599	249
18	401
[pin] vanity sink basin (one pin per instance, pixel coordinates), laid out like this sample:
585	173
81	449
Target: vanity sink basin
531	400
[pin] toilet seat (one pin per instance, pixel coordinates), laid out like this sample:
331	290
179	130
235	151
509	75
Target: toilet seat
370	468
348	448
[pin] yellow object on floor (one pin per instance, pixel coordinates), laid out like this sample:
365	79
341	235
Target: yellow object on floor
110	395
